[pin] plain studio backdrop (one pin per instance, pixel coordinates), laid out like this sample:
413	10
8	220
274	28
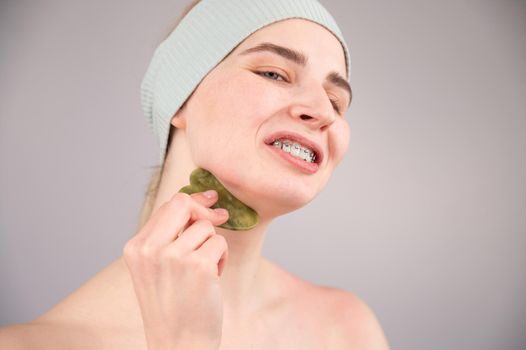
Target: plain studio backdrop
424	219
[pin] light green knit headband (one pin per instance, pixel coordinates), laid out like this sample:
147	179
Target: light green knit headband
203	38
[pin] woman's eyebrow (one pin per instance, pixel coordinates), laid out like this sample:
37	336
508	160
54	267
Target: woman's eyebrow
301	59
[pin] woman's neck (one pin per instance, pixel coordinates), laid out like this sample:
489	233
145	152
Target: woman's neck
244	269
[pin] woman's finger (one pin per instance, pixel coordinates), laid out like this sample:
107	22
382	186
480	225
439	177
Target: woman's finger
214	249
207	199
174	216
194	236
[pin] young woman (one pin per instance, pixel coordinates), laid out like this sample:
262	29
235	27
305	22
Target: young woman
183	282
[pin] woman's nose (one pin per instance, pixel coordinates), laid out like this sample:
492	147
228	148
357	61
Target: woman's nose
313	108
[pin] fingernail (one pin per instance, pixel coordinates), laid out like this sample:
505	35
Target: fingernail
210	194
221	211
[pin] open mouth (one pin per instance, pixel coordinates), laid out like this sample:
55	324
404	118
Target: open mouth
296	146
296	150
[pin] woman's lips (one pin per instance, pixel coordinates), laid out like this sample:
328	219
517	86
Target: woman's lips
307	167
296	137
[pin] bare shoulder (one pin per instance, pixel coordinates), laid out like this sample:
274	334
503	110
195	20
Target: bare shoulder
22	337
339	317
353	323
43	336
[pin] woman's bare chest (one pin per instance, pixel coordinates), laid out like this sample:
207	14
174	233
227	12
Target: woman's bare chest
290	337
280	332
288	332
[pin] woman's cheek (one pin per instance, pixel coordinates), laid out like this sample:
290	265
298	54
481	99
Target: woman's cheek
340	139
259	93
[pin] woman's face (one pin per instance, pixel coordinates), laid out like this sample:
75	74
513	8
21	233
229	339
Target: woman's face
248	97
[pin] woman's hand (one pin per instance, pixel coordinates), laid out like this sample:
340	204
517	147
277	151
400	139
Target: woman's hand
175	262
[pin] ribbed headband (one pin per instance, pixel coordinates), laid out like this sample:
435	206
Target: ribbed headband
203	38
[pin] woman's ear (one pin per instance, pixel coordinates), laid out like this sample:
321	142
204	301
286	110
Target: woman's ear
179	121
179	118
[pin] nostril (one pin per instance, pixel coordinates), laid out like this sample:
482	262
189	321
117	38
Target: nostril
305	117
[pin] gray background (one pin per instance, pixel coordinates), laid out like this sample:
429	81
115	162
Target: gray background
424	219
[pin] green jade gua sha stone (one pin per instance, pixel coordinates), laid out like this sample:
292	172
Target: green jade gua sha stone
241	216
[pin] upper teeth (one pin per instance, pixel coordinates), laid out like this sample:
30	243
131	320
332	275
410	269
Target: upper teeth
296	150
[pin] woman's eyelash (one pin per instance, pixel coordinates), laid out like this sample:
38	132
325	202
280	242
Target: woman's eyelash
269	71
335	105
333	102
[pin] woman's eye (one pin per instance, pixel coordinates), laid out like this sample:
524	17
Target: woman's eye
271	75
335	105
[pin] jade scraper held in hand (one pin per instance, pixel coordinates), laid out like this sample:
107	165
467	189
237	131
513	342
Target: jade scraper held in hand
241	216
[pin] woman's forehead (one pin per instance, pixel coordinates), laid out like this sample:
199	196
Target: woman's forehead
315	43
